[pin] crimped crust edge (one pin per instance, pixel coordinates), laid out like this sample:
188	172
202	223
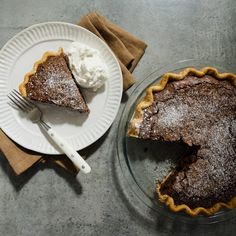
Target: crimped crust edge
169	201
147	101
22	86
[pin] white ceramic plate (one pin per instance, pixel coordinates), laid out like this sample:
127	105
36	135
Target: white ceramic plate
17	58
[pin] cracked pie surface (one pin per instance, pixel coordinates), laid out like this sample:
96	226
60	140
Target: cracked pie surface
51	81
197	107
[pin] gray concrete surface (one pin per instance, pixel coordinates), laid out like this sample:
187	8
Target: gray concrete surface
48	201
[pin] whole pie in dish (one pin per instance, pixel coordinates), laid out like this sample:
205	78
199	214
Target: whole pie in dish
197	107
51	81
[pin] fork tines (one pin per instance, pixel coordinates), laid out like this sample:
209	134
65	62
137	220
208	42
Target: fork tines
20	101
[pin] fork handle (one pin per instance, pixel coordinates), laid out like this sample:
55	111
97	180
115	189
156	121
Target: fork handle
69	151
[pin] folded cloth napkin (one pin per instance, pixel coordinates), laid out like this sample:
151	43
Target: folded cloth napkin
127	48
21	159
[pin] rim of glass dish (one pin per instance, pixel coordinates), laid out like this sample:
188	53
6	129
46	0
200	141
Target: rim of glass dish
126	169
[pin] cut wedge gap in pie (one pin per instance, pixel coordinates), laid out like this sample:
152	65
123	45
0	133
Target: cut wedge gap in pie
197	107
51	81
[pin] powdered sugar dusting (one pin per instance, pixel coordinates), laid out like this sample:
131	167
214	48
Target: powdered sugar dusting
216	163
53	82
201	112
172	115
222	145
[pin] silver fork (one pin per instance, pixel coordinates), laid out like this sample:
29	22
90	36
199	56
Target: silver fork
35	115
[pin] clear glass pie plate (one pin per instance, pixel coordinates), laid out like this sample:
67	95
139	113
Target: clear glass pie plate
143	163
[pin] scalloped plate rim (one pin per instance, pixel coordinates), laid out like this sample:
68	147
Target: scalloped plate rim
116	97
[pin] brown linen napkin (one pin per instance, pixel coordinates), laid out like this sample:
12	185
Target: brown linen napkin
18	157
21	159
128	50
125	46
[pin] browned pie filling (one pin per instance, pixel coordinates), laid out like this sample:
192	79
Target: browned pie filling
201	112
53	82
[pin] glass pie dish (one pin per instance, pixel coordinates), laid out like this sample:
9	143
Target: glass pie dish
145	162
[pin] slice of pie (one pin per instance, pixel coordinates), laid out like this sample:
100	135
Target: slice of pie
51	81
197	107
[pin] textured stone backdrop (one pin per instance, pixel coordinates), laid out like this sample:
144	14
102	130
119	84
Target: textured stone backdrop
48	201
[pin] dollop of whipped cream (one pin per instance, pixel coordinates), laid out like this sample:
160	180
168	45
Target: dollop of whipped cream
86	65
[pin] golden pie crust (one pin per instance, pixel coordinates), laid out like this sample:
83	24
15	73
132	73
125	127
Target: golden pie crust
137	118
22	86
169	201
